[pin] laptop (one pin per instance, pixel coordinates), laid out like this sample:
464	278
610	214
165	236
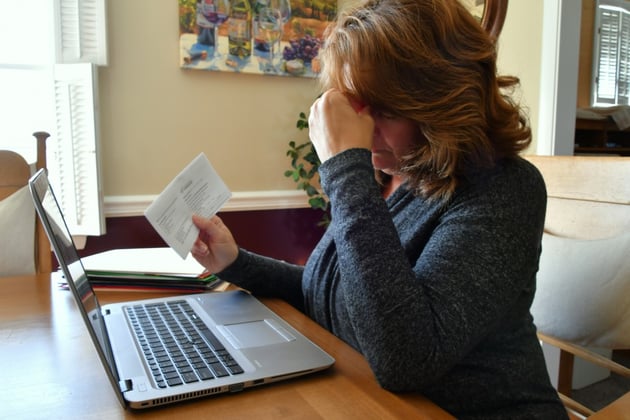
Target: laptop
161	351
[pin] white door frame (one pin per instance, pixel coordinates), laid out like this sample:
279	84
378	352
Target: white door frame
559	75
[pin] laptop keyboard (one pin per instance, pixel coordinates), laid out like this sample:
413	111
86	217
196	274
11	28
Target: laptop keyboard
177	345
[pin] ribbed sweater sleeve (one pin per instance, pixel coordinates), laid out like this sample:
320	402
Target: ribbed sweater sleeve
265	276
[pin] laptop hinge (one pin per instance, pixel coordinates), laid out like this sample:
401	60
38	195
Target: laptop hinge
125	385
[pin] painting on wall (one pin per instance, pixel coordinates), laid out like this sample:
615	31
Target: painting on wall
271	37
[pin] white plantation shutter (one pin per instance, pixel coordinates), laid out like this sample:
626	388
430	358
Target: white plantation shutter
80	45
623	85
75	170
612	53
80	31
607	67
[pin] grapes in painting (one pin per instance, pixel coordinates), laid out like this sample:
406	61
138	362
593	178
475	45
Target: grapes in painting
305	49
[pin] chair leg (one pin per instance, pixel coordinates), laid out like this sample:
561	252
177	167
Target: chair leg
565	373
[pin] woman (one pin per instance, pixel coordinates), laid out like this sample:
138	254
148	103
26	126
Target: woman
430	271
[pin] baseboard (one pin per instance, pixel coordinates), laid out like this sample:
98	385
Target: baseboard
134	205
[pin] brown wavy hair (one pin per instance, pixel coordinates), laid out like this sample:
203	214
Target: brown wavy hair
428	61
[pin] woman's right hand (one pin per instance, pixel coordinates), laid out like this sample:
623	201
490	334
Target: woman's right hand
338	122
215	247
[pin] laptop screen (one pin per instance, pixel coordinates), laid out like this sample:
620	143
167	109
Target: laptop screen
55	226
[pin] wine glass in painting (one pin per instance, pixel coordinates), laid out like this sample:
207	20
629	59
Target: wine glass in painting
210	15
271	19
269	24
283	9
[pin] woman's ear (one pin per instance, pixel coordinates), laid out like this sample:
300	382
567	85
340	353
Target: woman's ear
356	104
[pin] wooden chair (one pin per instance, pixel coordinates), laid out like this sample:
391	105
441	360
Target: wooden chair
14	175
582	297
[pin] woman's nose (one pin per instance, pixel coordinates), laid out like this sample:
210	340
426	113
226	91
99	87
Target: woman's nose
377	126
376	136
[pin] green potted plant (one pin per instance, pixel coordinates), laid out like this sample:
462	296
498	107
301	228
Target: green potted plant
304	171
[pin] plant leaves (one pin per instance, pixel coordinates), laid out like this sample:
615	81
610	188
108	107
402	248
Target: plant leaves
305	171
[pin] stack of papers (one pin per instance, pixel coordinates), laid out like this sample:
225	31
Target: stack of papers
147	269
197	189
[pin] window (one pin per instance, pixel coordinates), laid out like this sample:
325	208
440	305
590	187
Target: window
48	76
612	53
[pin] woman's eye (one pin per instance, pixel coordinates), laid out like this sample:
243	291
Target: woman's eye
384	115
388	116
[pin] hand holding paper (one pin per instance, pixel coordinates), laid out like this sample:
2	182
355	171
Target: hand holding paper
198	189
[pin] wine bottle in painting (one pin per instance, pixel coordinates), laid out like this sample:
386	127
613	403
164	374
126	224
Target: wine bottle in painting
240	30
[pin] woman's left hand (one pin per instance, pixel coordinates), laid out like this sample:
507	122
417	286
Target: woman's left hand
337	123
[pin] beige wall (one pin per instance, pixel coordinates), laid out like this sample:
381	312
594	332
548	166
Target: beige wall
155	117
520	48
586	54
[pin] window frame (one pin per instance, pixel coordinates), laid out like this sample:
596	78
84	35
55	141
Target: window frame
78	28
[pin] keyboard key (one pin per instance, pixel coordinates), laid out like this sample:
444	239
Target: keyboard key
235	369
218	370
205	374
174	381
189	377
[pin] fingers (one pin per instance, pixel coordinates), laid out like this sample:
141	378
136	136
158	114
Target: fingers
206	224
199	246
199	249
207	229
338	122
214	247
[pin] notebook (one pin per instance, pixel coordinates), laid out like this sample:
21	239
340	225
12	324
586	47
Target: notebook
223	341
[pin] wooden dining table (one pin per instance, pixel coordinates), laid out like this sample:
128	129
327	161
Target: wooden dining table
50	369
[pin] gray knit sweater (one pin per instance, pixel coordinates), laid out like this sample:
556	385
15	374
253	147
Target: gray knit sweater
436	297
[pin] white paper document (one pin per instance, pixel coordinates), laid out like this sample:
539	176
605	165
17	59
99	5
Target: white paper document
197	189
143	261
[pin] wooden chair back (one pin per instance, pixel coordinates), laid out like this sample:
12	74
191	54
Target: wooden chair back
588	196
14	175
589	201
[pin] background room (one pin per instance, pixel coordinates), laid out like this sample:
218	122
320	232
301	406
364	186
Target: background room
153	117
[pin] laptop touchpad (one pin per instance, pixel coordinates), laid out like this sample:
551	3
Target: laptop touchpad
255	333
